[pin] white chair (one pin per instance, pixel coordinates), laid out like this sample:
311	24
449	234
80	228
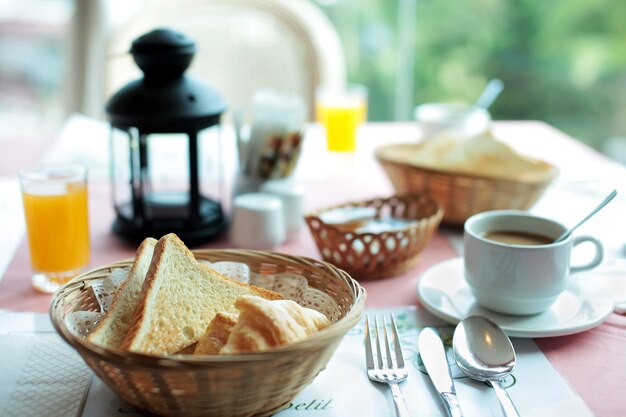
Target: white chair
242	46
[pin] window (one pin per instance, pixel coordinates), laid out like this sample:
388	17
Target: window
33	62
562	61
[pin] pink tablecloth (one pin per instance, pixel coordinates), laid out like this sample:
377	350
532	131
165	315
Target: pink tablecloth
593	362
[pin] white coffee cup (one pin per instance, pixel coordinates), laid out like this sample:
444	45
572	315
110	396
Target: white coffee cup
514	278
257	221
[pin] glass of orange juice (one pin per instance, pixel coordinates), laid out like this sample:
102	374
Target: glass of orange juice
341	111
57	224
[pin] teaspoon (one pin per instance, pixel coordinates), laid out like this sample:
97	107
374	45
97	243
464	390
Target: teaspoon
594	211
485	353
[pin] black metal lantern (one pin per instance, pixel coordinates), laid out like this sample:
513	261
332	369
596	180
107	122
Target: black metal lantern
159	124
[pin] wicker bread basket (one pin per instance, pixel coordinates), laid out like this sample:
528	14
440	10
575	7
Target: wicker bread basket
464	194
368	256
257	384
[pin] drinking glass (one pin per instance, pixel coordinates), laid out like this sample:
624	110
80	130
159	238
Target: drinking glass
57	224
341	111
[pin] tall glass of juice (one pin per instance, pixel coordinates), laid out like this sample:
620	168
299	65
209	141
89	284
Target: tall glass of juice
57	223
341	111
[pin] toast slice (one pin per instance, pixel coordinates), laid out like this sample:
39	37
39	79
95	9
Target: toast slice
216	334
179	298
112	330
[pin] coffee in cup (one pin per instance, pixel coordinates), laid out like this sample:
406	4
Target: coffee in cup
518	238
513	264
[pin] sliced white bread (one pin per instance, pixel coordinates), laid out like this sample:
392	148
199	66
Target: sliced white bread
112	330
179	298
216	334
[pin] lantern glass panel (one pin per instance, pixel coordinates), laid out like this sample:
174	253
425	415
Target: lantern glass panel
121	166
210	165
165	175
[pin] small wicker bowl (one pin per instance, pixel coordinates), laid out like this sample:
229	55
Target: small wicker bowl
463	194
368	256
259	384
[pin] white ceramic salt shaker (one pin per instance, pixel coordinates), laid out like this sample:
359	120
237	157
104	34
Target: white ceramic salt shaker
292	196
257	221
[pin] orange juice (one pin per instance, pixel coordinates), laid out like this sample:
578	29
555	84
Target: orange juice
341	114
58	229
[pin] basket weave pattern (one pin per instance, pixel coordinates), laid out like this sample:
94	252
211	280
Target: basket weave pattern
239	385
463	195
368	256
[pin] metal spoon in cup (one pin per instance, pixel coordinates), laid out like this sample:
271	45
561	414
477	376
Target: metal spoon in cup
485	353
604	202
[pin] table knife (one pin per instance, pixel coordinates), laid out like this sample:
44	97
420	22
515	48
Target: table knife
433	355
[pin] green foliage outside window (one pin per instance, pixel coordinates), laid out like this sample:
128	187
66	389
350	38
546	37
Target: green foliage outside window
562	61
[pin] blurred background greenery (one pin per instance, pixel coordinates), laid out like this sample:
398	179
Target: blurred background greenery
561	61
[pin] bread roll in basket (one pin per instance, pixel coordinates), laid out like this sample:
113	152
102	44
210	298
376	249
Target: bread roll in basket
466	177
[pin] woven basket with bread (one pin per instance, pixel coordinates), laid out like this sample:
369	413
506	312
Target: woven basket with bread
466	176
175	336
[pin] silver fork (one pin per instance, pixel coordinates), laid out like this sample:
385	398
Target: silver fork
386	371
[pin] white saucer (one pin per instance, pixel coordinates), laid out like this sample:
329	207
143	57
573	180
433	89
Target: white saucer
442	290
612	273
